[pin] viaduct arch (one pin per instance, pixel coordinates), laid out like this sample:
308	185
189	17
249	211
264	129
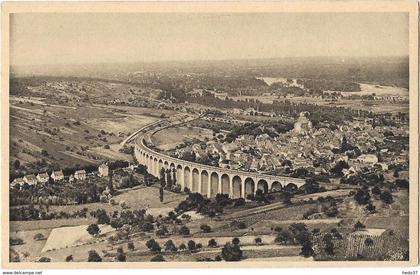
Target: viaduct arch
210	180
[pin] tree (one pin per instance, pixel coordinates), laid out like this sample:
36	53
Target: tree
376	190
235	241
44	259
39	237
161	194
212	243
284	237
102	217
184	230
162	174
362	196
69	258
16	164
94	256
157	258
130	246
370	208
241	225
170	246
368	242
182	246
147	227
110	185
191	246
287	199
386	197
260	197
120	257
93	229
162	231
359	226
307	250
205	228
337	170
329	245
231	252
153	245
258	241
331	211
402	183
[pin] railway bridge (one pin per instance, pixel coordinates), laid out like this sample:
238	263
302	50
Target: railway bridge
210	180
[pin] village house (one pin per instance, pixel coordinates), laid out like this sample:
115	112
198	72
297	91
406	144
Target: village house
368	159
16	181
103	170
30	179
80	175
250	111
42	178
57	175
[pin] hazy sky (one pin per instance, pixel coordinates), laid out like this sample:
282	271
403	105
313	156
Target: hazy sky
48	38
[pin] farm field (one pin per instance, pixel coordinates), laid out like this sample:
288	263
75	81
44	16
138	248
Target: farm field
257	225
70	236
72	137
169	138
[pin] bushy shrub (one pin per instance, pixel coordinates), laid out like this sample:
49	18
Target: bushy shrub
309	213
153	245
212	243
359	226
386	197
239	202
184	230
39	237
93	256
130	246
44	260
158	258
205	228
170	246
241	225
231	252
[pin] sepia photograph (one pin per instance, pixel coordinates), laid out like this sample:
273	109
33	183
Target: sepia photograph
209	134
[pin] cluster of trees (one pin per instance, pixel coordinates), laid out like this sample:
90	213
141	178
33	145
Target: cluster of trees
297	233
28	213
363	197
205	206
319	85
327	114
231	252
78	192
272	129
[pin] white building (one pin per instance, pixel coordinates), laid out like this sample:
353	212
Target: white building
30	179
16	181
103	170
80	175
42	178
368	159
57	175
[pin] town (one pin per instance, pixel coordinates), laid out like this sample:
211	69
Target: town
160	174
279	138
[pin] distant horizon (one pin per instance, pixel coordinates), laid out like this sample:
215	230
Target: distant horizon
211	60
111	38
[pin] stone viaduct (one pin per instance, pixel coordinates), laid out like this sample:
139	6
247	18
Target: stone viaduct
210	180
